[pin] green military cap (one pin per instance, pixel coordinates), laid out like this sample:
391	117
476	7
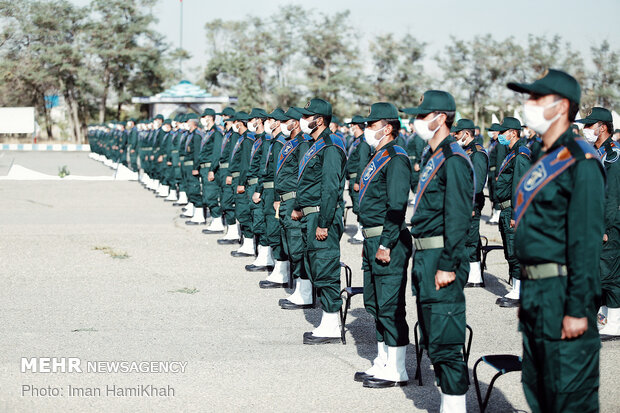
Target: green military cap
463	124
159	116
293	113
191	116
241	116
433	101
122	123
317	107
258	113
509	123
357	120
167	122
597	115
208	112
228	111
336	120
277	114
493	128
381	110
553	82
476	127
132	120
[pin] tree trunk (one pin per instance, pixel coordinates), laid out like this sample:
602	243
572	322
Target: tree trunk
104	95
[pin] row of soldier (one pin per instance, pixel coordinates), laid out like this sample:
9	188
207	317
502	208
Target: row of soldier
274	183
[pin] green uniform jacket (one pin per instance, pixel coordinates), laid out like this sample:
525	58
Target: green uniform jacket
240	160
210	148
445	207
322	181
480	160
508	178
271	160
364	152
611	161
254	169
385	199
227	145
564	224
286	178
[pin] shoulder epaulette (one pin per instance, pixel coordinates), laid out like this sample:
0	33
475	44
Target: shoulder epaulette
524	150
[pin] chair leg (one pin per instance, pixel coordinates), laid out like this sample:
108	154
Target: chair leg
418	354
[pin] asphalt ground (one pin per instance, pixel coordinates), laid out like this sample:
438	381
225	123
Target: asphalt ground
104	271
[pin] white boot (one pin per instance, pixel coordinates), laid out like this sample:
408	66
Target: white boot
359	236
188	211
232	232
165	191
379	362
216	225
303	292
612	328
329	327
601	317
514	294
394	369
280	273
475	275
183	198
172	195
248	246
453	404
495	217
198	217
264	258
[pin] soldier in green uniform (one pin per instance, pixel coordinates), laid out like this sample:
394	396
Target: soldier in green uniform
497	153
286	175
191	172
209	160
597	131
267	183
183	201
132	144
559	227
415	148
464	135
227	198
162	159
441	220
172	161
238	176
510	172
383	197
320	206
359	155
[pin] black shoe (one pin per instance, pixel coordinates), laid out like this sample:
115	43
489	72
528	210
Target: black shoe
177	204
193	223
474	285
228	241
208	231
355	241
271	284
361	376
500	300
287	305
255	268
377	383
609	337
240	254
509	303
310	339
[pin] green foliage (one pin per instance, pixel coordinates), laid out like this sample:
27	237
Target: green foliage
64	171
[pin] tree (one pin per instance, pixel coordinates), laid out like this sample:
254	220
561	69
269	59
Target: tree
603	83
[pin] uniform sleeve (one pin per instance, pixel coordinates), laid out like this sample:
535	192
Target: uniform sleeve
215	154
584	236
479	160
364	152
397	196
196	142
330	184
612	198
522	164
457	211
244	164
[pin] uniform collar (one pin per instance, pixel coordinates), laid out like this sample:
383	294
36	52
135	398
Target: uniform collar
562	140
446	142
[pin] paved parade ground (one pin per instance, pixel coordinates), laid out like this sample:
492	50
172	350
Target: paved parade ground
101	270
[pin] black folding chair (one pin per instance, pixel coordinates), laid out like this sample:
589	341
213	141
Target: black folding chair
503	363
347	293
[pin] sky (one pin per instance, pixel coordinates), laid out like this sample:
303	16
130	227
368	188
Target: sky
581	23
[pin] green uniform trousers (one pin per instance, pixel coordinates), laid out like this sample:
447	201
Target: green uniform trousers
558	375
610	270
384	289
472	244
441	314
322	259
227	199
355	195
292	240
133	162
242	210
508	239
258	217
272	226
192	188
211	193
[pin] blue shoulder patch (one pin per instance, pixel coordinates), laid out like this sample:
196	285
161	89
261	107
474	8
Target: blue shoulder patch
525	151
281	139
338	142
307	137
400	151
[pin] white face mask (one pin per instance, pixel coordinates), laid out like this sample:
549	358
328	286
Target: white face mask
268	129
235	128
371	137
461	142
284	130
534	117
252	127
589	135
421	127
305	126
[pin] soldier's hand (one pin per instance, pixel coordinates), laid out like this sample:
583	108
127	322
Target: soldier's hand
296	215
321	234
444	278
256	197
356	187
195	172
573	327
169	163
512	223
229	180
416	167
133	151
383	255
276	205
160	158
152	157
211	176
605	238
240	189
